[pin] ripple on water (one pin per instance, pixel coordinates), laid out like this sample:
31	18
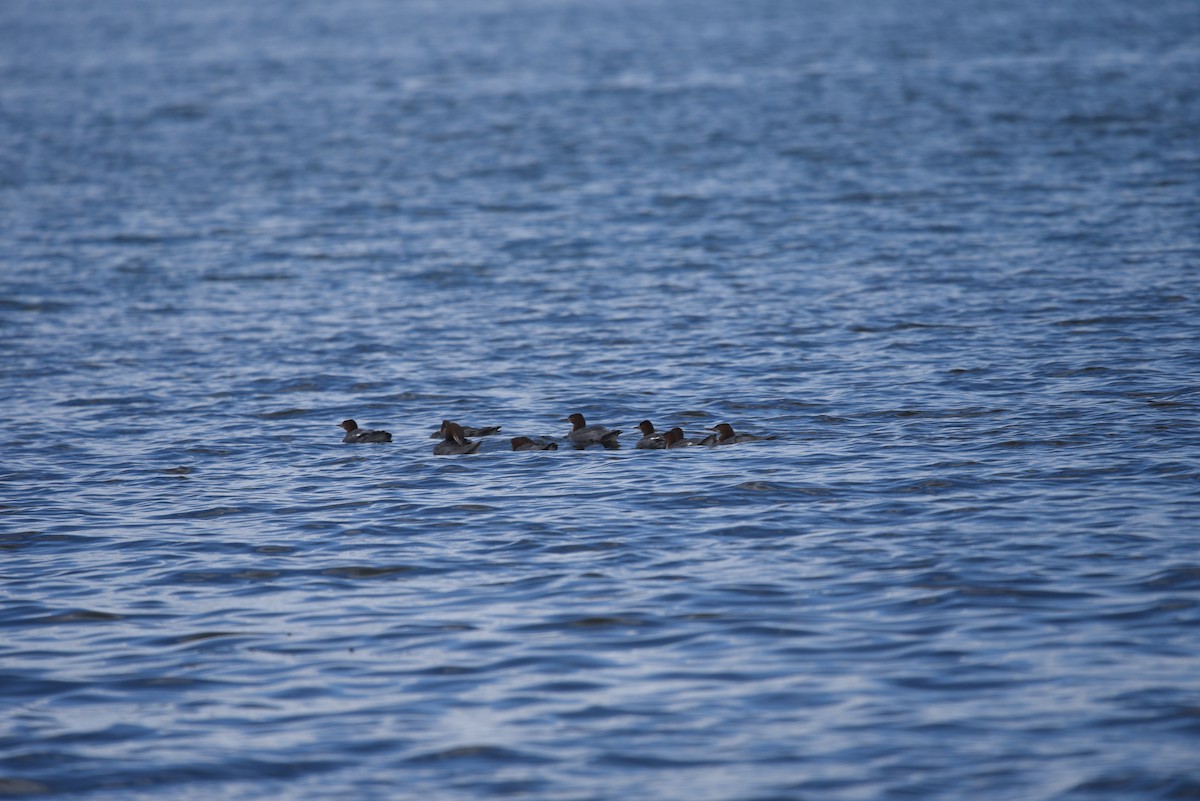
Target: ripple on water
945	257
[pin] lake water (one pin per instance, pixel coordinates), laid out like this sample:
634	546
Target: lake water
946	251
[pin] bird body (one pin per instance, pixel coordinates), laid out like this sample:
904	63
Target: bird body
527	444
651	439
727	436
454	442
582	435
468	431
356	434
675	439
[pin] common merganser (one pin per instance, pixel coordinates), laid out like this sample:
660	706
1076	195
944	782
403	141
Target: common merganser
726	435
651	440
583	435
468	431
674	439
356	434
527	444
455	441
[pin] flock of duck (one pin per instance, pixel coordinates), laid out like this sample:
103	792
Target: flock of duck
455	437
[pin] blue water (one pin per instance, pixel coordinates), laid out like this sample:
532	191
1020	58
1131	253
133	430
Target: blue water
947	251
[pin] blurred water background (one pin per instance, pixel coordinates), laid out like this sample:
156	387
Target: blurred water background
945	250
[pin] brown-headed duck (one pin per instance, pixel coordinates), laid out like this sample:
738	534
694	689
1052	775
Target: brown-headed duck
726	435
675	439
468	431
356	434
651	439
455	441
583	435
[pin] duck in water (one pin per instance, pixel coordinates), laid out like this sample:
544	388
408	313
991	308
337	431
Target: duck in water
468	431
727	436
583	435
675	439
651	439
455	441
527	444
356	434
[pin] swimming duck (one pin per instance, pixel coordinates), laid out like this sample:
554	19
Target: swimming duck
675	439
356	434
651	439
455	441
726	435
468	431
527	444
583	435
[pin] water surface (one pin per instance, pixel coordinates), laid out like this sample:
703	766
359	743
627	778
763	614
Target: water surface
946	252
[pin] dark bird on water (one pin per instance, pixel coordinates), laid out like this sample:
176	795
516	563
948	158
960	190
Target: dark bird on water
468	431
726	435
356	434
455	441
527	444
583	435
651	439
